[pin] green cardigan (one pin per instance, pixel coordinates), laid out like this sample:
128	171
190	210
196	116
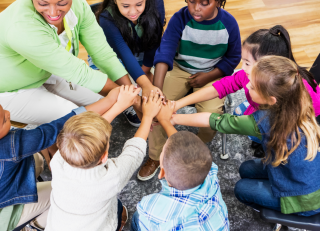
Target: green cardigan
30	50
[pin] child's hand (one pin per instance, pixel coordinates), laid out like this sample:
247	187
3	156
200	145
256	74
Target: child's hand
151	105
166	111
199	80
113	95
127	96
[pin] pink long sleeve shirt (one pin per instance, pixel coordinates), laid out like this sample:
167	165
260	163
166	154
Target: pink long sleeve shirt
239	80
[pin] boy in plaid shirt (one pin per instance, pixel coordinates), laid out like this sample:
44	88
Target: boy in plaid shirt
190	198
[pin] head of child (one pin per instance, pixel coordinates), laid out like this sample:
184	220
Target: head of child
84	140
5	123
185	161
202	10
273	41
276	82
143	11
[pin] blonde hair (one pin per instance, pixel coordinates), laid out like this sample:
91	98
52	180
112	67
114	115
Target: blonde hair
84	139
275	76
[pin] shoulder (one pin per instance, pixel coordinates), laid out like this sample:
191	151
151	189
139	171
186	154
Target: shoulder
180	18
229	21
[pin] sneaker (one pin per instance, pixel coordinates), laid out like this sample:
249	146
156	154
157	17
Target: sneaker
132	117
32	227
124	217
259	152
255	145
148	170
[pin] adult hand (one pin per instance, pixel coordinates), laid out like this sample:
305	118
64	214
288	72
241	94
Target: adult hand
166	111
151	105
199	79
127	96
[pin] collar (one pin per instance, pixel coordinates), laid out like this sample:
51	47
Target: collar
71	18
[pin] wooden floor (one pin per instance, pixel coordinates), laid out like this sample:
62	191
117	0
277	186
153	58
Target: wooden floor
300	17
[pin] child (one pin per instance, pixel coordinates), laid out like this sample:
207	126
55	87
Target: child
21	198
133	29
190	198
275	41
85	182
207	41
288	179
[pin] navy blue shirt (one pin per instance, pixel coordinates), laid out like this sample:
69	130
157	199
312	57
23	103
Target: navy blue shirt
122	50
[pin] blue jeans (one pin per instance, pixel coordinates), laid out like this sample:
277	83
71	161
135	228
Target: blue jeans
120	209
239	112
135	222
254	188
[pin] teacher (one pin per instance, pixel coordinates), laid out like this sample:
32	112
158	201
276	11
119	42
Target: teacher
41	78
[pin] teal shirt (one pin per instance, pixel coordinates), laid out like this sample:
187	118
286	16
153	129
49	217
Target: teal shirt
30	50
246	125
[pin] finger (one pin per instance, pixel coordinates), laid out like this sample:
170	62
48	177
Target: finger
131	88
151	95
159	100
145	100
137	90
173	105
126	87
156	97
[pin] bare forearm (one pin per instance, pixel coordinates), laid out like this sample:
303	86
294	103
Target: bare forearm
203	94
144	129
159	74
102	105
168	127
215	74
108	87
125	80
143	81
112	113
193	120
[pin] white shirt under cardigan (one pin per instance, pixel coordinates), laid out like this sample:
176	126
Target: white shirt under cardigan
86	199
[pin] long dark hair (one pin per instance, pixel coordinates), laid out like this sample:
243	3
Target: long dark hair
275	41
149	20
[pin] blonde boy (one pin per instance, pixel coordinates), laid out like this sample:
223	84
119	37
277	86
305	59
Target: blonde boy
85	182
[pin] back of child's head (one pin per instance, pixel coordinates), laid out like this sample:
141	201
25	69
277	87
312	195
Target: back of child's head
84	139
186	161
279	77
274	41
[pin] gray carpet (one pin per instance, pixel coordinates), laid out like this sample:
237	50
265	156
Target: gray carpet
241	217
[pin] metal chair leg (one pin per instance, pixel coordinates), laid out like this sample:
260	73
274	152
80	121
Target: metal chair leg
229	101
224	155
277	227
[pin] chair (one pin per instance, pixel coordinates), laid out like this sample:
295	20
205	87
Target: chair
306	223
95	6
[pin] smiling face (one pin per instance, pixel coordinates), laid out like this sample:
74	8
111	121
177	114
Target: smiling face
131	9
5	123
53	11
203	9
247	60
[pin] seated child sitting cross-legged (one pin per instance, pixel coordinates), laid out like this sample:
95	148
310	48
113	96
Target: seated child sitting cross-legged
288	178
190	198
85	182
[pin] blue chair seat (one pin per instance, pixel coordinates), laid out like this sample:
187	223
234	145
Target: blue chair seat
309	223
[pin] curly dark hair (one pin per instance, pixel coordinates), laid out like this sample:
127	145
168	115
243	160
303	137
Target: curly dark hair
149	20
221	5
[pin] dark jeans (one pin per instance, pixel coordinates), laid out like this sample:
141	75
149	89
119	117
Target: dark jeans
254	188
135	222
120	209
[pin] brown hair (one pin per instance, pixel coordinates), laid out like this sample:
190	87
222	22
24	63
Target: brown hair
275	76
186	161
84	139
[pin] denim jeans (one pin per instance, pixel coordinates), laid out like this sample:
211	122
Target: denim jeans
239	112
254	188
120	209
135	222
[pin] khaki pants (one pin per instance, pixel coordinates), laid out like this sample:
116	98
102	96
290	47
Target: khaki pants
175	87
40	208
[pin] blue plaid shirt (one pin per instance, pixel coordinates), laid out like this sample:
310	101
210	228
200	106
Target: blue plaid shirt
200	208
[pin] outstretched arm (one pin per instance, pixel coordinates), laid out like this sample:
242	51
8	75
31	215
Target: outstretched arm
164	117
203	94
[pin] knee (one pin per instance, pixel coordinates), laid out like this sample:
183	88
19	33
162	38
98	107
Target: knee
245	169
135	222
239	189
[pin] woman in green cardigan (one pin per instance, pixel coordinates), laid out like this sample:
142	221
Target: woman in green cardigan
41	78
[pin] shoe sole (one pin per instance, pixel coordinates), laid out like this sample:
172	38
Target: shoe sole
148	177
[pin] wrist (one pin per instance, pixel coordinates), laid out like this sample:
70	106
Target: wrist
143	81
146	119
